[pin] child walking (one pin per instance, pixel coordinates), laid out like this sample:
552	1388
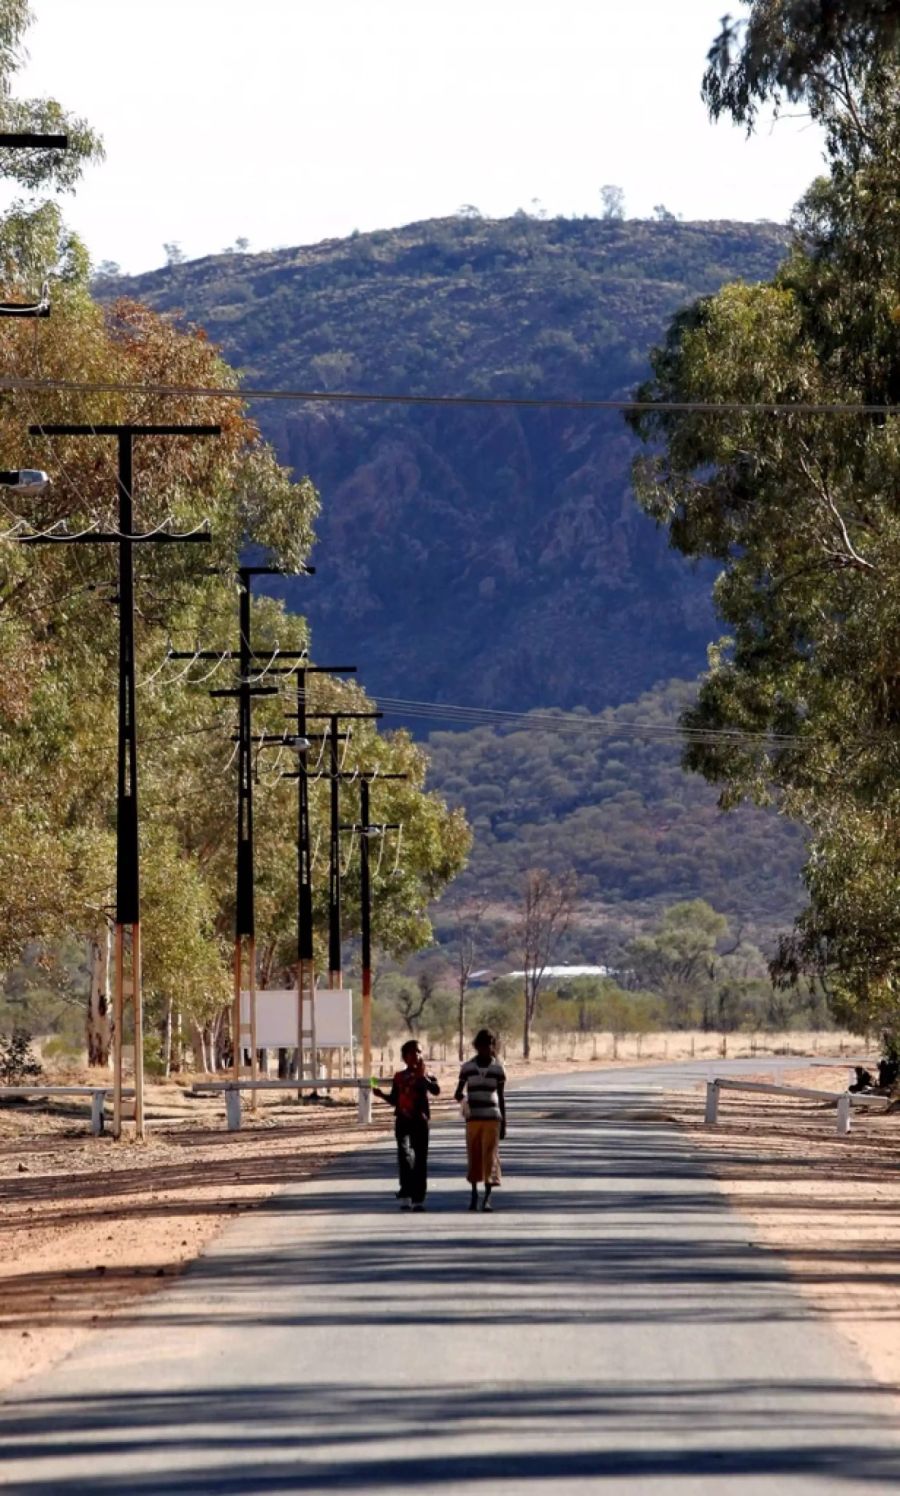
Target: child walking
408	1096
482	1081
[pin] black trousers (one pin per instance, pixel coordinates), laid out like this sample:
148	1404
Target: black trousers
412	1156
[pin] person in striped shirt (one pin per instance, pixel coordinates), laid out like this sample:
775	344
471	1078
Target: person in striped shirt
482	1081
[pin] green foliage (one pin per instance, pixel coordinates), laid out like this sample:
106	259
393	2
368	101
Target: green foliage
679	961
815	51
800	513
689	971
500	1009
616	808
57	711
45	991
685	979
441	1019
412	1005
18	1063
154	1063
34	242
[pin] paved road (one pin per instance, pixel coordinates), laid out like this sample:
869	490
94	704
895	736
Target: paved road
611	1328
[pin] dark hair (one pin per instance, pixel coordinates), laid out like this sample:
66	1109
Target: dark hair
410	1044
484	1039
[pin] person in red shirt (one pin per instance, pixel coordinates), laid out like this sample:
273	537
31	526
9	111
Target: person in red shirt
409	1096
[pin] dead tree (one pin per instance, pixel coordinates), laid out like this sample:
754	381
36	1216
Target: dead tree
548	904
468	916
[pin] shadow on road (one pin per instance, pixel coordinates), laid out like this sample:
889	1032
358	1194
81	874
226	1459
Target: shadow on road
396	1438
606	1225
602	1208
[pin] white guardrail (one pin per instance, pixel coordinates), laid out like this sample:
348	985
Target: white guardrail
98	1095
843	1100
231	1089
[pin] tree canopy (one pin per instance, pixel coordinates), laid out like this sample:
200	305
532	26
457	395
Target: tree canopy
800	513
819	52
58	620
34	241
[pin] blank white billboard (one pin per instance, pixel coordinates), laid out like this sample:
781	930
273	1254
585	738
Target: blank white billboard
276	1018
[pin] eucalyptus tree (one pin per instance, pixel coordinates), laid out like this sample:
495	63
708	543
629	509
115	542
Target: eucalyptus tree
57	689
799	508
815	52
34	241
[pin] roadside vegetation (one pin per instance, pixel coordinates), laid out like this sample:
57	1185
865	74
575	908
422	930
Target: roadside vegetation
58	701
798	511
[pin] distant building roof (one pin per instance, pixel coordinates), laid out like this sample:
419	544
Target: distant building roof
553	973
569	971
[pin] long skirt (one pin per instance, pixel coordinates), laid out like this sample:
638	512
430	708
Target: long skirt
483	1149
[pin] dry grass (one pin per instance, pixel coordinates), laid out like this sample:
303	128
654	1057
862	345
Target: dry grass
674	1044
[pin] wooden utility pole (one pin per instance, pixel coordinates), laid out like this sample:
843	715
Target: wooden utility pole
128	916
366	829
306	977
244	913
334	719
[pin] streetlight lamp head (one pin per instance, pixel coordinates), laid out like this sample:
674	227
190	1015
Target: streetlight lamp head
29	482
298	744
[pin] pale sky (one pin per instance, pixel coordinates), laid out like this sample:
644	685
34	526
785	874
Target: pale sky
290	121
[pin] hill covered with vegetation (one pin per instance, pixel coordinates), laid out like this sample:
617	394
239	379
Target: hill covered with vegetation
486	555
609	800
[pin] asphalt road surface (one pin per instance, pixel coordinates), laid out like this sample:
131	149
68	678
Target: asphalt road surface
612	1327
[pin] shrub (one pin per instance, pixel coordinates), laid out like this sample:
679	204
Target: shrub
18	1063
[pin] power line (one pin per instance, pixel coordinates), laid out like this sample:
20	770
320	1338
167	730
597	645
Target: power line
573	723
188	732
514	402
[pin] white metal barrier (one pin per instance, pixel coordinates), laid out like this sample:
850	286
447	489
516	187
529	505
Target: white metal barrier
98	1095
232	1092
843	1100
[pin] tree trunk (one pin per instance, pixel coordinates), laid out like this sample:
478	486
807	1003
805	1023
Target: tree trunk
200	1056
217	1041
98	1020
462	1020
526	1029
167	1039
178	1055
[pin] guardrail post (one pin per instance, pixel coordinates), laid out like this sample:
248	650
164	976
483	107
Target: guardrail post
233	1109
843	1114
712	1101
97	1100
364	1106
